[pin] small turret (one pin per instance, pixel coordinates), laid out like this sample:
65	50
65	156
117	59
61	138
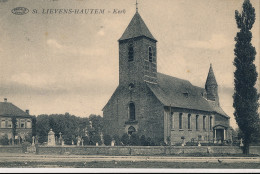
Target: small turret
211	86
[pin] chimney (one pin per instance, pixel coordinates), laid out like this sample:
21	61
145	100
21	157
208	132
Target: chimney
27	111
5	99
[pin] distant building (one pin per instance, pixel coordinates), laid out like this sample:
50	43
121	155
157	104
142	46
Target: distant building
24	120
156	105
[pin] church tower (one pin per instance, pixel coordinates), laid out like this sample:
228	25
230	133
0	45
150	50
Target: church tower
211	87
137	54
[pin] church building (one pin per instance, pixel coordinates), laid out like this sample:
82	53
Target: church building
157	105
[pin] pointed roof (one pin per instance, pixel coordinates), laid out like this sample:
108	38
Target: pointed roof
8	109
211	80
136	28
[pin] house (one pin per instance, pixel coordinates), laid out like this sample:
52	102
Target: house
24	120
157	105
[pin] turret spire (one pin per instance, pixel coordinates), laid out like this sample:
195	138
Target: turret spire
211	86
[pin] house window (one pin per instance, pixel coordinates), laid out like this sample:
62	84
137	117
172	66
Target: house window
2	123
189	120
29	124
204	122
132	111
22	123
9	123
130	52
197	122
150	54
180	121
210	122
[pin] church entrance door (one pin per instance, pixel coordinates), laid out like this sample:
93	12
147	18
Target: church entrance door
220	135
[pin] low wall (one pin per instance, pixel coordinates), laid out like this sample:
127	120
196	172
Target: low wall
254	150
137	150
12	149
130	150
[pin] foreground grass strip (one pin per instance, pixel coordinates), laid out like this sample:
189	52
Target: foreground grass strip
127	164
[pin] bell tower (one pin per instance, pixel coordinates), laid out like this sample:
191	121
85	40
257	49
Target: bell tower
137	54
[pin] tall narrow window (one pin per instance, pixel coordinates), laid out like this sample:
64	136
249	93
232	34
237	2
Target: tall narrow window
197	122
172	116
150	54
210	122
132	111
130	52
204	122
189	120
180	121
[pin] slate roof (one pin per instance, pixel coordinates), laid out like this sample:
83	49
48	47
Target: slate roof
179	93
8	109
211	80
136	28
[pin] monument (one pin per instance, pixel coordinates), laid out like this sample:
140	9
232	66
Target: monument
51	138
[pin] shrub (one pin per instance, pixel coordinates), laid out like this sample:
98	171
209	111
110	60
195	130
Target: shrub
85	140
107	140
28	137
4	140
117	140
125	139
143	141
134	140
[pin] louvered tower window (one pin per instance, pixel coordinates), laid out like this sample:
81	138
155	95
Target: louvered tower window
130	52
150	54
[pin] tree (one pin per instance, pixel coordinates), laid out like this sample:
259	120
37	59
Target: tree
34	126
245	96
14	126
43	128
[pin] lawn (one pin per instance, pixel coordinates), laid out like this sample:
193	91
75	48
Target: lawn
129	164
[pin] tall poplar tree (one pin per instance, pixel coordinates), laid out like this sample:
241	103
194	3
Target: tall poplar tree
245	96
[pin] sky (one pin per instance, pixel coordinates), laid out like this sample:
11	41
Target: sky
57	63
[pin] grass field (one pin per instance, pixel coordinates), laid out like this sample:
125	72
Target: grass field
128	164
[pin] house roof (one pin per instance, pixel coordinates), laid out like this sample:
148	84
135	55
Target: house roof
211	80
136	28
179	93
8	109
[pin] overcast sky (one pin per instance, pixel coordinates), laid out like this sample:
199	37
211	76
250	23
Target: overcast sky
57	63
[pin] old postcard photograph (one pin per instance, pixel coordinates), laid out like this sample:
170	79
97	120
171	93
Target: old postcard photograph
129	85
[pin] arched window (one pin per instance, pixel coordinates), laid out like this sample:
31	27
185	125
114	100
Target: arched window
132	111
197	122
210	123
131	129
150	54
130	52
204	122
180	121
189	121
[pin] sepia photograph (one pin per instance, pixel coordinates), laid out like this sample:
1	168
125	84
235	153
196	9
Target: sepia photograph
129	86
